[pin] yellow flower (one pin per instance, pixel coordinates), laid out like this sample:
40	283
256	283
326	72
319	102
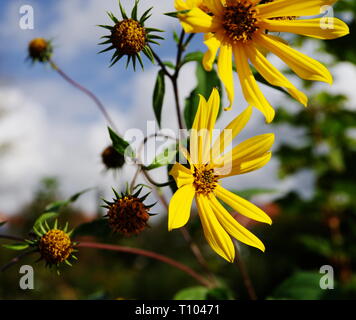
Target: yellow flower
240	28
208	164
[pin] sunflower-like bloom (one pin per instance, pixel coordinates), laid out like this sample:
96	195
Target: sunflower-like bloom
208	163
239	29
129	36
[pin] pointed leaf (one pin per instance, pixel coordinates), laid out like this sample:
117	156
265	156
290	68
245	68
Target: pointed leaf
16	246
158	96
121	145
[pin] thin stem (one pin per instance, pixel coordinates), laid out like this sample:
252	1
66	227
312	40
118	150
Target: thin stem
149	254
192	245
161	64
5	236
177	103
133	181
87	92
245	276
180	51
16	259
155	183
197	253
142	168
174	79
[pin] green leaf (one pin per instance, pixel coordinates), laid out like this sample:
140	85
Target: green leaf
220	293
176	13
169	64
163	159
16	246
57	205
2	223
96	228
206	82
121	145
193	56
317	245
158	96
44	217
193	293
300	286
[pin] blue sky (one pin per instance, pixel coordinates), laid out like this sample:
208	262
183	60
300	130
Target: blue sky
57	131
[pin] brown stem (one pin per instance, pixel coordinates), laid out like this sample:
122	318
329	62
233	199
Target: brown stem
245	276
15	260
149	254
4	236
87	92
192	245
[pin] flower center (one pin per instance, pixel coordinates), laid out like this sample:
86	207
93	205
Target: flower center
205	181
128	36
128	216
240	20
55	246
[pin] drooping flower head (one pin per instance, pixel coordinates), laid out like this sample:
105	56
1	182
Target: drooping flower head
240	29
201	180
40	49
112	159
127	214
129	36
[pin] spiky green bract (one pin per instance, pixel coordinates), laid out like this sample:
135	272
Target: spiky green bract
127	214
129	37
53	244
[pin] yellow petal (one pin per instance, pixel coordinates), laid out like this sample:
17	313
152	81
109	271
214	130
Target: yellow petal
230	132
241	205
272	75
196	21
213	45
213	106
282	8
179	207
181	5
236	168
255	164
304	66
235	229
225	70
251	91
181	175
250	149
320	28
199	129
248	156
214	233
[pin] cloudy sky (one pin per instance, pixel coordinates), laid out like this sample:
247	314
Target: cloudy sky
55	130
